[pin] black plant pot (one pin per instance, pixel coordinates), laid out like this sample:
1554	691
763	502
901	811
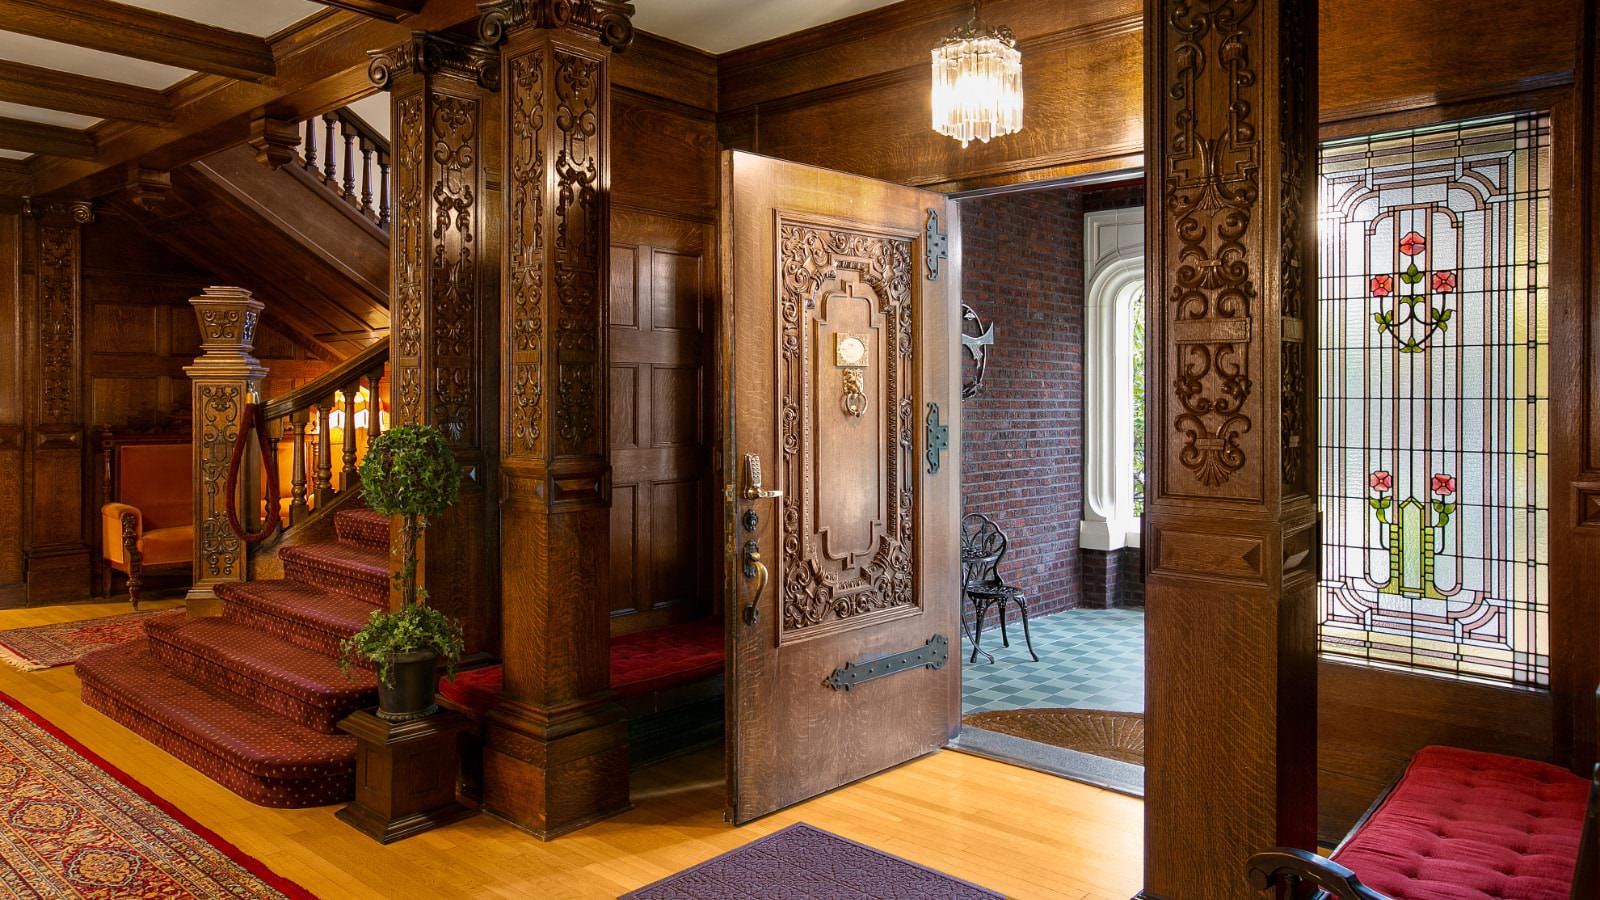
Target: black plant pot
409	693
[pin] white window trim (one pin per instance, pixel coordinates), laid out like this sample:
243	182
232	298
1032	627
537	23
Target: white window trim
1113	271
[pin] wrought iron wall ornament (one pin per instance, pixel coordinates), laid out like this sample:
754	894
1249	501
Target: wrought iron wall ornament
977	348
931	655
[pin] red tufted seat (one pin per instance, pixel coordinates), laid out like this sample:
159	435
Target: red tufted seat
1464	825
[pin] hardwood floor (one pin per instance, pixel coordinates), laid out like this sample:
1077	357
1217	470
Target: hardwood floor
1007	828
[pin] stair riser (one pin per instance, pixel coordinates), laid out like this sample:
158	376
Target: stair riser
302	634
251	686
361	531
281	793
368	587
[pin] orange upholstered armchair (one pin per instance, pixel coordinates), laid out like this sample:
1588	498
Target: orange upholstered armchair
149	522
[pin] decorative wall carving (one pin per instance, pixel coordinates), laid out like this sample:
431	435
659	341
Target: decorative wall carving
1296	289
577	247
58	323
10	505
453	137
841	280
1212	183
410	251
610	20
525	245
216	428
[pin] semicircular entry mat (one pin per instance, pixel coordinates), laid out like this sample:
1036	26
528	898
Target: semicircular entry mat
1113	735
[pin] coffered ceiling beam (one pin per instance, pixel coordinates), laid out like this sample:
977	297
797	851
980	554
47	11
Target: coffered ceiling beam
51	140
142	34
49	89
388	10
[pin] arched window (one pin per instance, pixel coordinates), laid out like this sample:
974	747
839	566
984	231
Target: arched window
1113	402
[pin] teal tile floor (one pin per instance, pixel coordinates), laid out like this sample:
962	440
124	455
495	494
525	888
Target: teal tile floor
1088	659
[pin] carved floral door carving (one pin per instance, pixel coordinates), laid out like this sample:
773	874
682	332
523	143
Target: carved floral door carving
842	546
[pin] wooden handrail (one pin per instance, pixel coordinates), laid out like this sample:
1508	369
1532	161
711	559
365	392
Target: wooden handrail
308	395
363	129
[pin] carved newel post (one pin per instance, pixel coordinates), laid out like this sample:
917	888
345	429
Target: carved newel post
443	285
556	746
1231	538
222	380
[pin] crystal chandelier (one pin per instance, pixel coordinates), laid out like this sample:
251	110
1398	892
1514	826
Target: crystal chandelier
977	83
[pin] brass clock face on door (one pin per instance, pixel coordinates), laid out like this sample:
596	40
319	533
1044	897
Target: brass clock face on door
849	350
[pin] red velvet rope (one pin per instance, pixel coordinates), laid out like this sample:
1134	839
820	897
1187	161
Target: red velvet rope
253	418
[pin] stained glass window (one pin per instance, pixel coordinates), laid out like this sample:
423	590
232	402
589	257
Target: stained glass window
1434	399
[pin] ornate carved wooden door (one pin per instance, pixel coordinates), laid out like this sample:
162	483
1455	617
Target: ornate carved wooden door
842	531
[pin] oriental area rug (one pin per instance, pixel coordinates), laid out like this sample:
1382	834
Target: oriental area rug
61	643
1112	735
801	863
72	825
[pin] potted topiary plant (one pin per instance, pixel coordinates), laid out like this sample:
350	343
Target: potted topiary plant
408	472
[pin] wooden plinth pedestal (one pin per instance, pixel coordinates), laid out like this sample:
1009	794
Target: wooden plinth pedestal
405	774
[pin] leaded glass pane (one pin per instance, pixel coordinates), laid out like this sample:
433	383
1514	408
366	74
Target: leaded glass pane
1434	345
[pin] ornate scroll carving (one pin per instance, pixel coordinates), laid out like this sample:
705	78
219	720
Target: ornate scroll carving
453	137
215	429
610	20
58	322
525	242
577	252
834	577
1295	288
1211	188
409	255
430	53
10	505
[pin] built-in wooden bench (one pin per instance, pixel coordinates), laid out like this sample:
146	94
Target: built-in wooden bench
1457	825
668	679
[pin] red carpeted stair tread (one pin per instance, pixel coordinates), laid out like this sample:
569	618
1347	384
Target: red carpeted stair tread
302	614
258	754
304	685
362	527
349	569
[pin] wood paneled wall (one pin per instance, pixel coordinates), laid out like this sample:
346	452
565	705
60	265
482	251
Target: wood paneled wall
663	287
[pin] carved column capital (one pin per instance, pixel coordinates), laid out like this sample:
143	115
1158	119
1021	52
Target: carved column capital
609	20
274	139
59	213
428	53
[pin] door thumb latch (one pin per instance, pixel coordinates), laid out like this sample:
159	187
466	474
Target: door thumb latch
754	568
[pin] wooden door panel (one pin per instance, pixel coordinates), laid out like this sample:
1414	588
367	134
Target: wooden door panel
660	454
861	543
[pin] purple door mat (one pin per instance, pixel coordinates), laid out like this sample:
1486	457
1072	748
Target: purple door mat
805	863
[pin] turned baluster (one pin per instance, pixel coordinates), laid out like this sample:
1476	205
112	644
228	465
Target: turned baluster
310	157
349	477
274	437
323	484
374	405
349	165
329	120
383	192
298	510
366	177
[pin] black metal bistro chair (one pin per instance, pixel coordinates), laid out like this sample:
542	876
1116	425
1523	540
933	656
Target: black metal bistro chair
983	546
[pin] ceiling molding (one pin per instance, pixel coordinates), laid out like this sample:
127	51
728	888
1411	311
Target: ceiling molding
130	31
50	140
63	91
387	10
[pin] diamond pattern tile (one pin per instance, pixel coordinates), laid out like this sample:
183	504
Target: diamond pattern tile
1088	659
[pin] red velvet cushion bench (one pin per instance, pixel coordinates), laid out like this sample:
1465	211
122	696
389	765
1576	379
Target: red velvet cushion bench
668	679
1457	825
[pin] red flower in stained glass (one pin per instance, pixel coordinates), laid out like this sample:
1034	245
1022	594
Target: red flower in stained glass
1413	243
1382	285
1444	485
1444	282
1380	481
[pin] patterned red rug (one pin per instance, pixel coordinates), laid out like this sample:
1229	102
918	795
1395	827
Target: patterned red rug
72	825
48	646
805	863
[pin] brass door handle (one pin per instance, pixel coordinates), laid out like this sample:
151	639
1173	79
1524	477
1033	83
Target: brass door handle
752	480
754	568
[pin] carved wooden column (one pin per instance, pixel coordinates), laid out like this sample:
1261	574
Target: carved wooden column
556	755
57	553
444	284
221	381
1231	528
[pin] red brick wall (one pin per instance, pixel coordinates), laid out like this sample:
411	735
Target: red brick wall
1021	460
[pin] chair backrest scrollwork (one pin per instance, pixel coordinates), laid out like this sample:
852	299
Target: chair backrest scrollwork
983	546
